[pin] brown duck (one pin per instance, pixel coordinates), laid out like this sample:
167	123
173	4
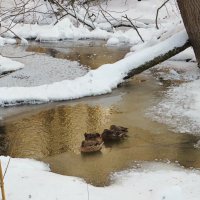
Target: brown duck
115	133
118	128
88	146
93	137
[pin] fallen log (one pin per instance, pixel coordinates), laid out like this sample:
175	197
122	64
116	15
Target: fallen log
157	60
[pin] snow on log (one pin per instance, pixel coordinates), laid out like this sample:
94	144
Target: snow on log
99	81
157	60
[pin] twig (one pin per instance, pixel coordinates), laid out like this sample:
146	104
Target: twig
9	29
106	18
158	12
6	168
72	15
126	17
2	183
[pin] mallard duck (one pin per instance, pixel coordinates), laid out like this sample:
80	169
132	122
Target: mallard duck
93	137
90	146
118	128
114	134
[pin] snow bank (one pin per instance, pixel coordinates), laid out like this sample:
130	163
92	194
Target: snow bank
65	29
96	82
4	41
180	108
7	65
33	26
113	41
28	179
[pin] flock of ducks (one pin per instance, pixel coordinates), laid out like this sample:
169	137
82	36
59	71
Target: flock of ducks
94	141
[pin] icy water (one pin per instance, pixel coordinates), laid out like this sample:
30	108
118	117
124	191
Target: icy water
53	133
45	63
92	53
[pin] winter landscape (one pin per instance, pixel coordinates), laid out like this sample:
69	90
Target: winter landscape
69	67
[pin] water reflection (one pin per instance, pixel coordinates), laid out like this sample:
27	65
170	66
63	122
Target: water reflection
91	56
54	131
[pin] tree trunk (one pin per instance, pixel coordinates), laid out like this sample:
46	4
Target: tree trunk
157	60
190	12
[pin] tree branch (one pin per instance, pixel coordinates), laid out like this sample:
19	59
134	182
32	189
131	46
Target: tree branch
126	17
158	13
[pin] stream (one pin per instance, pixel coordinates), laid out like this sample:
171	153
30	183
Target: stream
53	132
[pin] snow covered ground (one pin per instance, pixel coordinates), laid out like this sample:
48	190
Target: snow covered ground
29	179
180	108
142	13
181	104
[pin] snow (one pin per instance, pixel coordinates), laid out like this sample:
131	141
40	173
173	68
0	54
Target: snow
95	82
143	11
197	145
176	71
7	65
37	11
42	25
4	41
180	108
188	54
49	71
27	178
113	41
65	29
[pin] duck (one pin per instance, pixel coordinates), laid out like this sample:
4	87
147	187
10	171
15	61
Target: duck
93	137
118	128
115	133
89	146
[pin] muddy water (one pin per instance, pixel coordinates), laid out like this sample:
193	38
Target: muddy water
54	134
91	54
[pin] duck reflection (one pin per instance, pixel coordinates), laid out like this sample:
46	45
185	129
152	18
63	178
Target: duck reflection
52	132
